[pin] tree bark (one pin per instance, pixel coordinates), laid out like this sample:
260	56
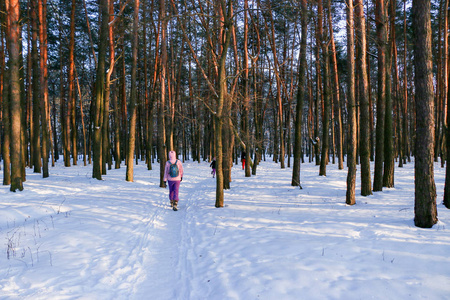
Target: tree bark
425	211
6	131
220	118
132	110
162	103
405	88
380	19
300	97
13	13
326	102
70	117
42	8
366	185
351	108
2	81
446	201
100	91
388	174
336	95
36	136
246	91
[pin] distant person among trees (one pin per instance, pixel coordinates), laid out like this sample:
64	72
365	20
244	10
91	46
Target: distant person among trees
173	173
213	166
243	160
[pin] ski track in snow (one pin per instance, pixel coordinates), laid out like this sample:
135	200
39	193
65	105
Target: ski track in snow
73	237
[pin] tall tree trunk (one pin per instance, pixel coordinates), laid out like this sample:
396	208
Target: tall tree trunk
318	97
147	118
246	92
42	4
13	30
132	110
23	112
300	97
70	117
425	211
2	81
36	136
62	98
110	89
366	185
220	118
326	101
405	88
351	155
336	94
123	93
6	128
100	91
162	103
445	93
380	19
447	140
388	174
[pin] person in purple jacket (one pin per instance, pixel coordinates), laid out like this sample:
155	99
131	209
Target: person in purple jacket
173	173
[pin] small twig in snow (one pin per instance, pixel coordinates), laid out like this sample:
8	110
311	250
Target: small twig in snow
31	255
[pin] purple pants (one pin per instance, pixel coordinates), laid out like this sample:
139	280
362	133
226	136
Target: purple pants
174	186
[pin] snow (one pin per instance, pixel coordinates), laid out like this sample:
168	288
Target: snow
70	236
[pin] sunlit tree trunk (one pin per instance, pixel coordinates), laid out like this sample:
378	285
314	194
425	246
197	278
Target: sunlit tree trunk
162	103
42	8
351	108
132	110
2	79
219	117
445	91
13	35
447	139
6	130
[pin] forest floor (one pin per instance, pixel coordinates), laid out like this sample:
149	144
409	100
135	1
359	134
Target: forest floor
70	236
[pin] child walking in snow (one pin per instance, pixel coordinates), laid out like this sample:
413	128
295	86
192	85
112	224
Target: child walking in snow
213	166
173	173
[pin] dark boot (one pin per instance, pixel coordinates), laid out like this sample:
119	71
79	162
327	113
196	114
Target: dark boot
175	203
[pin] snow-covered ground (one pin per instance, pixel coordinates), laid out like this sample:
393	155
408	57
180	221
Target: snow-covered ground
72	237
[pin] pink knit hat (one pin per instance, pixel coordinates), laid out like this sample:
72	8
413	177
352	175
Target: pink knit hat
172	157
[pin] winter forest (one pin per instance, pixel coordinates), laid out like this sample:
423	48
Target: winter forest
113	84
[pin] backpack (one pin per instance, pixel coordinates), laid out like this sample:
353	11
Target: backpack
173	170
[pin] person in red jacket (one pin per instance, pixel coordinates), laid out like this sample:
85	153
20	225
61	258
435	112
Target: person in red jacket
173	173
